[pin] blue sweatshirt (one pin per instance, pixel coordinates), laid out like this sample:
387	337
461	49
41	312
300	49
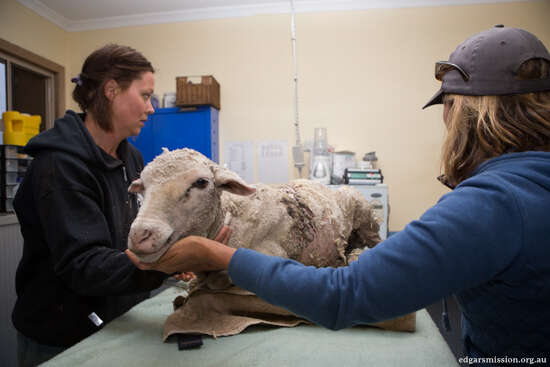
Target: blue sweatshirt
488	241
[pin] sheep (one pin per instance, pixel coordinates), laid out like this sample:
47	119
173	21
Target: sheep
184	193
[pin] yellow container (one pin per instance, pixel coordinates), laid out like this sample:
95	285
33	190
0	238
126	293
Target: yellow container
19	128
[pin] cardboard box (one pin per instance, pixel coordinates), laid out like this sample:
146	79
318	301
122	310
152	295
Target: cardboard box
207	92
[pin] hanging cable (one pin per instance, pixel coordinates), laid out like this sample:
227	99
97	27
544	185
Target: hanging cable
298	149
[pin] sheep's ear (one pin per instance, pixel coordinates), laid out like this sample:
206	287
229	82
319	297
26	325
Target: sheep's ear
136	186
230	181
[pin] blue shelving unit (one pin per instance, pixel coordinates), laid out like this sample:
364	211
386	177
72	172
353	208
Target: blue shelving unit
174	128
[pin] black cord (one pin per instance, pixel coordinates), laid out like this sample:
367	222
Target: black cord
445	317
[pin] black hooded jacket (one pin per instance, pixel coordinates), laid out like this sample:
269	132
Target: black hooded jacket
75	213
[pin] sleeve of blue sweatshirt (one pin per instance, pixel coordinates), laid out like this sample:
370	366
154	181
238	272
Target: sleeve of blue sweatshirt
470	236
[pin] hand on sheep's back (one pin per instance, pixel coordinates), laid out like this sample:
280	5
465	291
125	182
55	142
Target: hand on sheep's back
192	254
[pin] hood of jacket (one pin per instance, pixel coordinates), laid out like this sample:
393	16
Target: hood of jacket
70	135
532	165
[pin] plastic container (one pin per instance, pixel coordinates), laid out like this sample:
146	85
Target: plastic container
320	141
19	128
9	205
11	178
369	161
155	102
11	190
340	161
11	165
169	100
10	151
320	163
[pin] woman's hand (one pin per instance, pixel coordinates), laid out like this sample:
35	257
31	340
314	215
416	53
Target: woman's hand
223	237
192	254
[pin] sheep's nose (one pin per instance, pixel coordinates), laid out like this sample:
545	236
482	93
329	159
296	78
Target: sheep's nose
147	235
140	239
139	236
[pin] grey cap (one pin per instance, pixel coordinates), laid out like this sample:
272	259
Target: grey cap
491	59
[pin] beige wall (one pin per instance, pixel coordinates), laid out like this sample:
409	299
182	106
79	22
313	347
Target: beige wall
26	29
363	75
34	33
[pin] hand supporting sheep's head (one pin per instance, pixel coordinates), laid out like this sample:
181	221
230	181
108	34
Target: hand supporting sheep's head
181	192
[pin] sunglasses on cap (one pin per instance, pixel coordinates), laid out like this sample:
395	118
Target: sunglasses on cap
445	181
442	67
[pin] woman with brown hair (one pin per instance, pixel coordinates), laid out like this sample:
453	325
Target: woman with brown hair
487	241
75	210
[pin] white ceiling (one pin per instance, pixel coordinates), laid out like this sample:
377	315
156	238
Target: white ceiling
77	15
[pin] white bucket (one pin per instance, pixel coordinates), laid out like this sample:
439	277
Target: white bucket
341	161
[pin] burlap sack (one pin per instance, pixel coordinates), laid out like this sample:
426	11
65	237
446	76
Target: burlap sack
230	311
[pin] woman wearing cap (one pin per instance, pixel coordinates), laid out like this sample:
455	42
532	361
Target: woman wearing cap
75	210
487	241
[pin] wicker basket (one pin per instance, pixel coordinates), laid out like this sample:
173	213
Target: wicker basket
207	92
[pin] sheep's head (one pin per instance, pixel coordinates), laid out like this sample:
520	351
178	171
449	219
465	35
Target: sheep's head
181	192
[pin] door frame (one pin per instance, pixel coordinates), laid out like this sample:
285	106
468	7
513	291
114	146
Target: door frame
57	70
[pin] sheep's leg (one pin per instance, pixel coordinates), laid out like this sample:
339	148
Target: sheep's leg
365	223
354	254
214	280
196	283
218	280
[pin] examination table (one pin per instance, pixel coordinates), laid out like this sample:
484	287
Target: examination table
135	339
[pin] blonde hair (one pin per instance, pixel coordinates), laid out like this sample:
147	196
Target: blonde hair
484	127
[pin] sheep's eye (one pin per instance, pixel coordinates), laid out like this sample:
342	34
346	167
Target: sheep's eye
201	183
